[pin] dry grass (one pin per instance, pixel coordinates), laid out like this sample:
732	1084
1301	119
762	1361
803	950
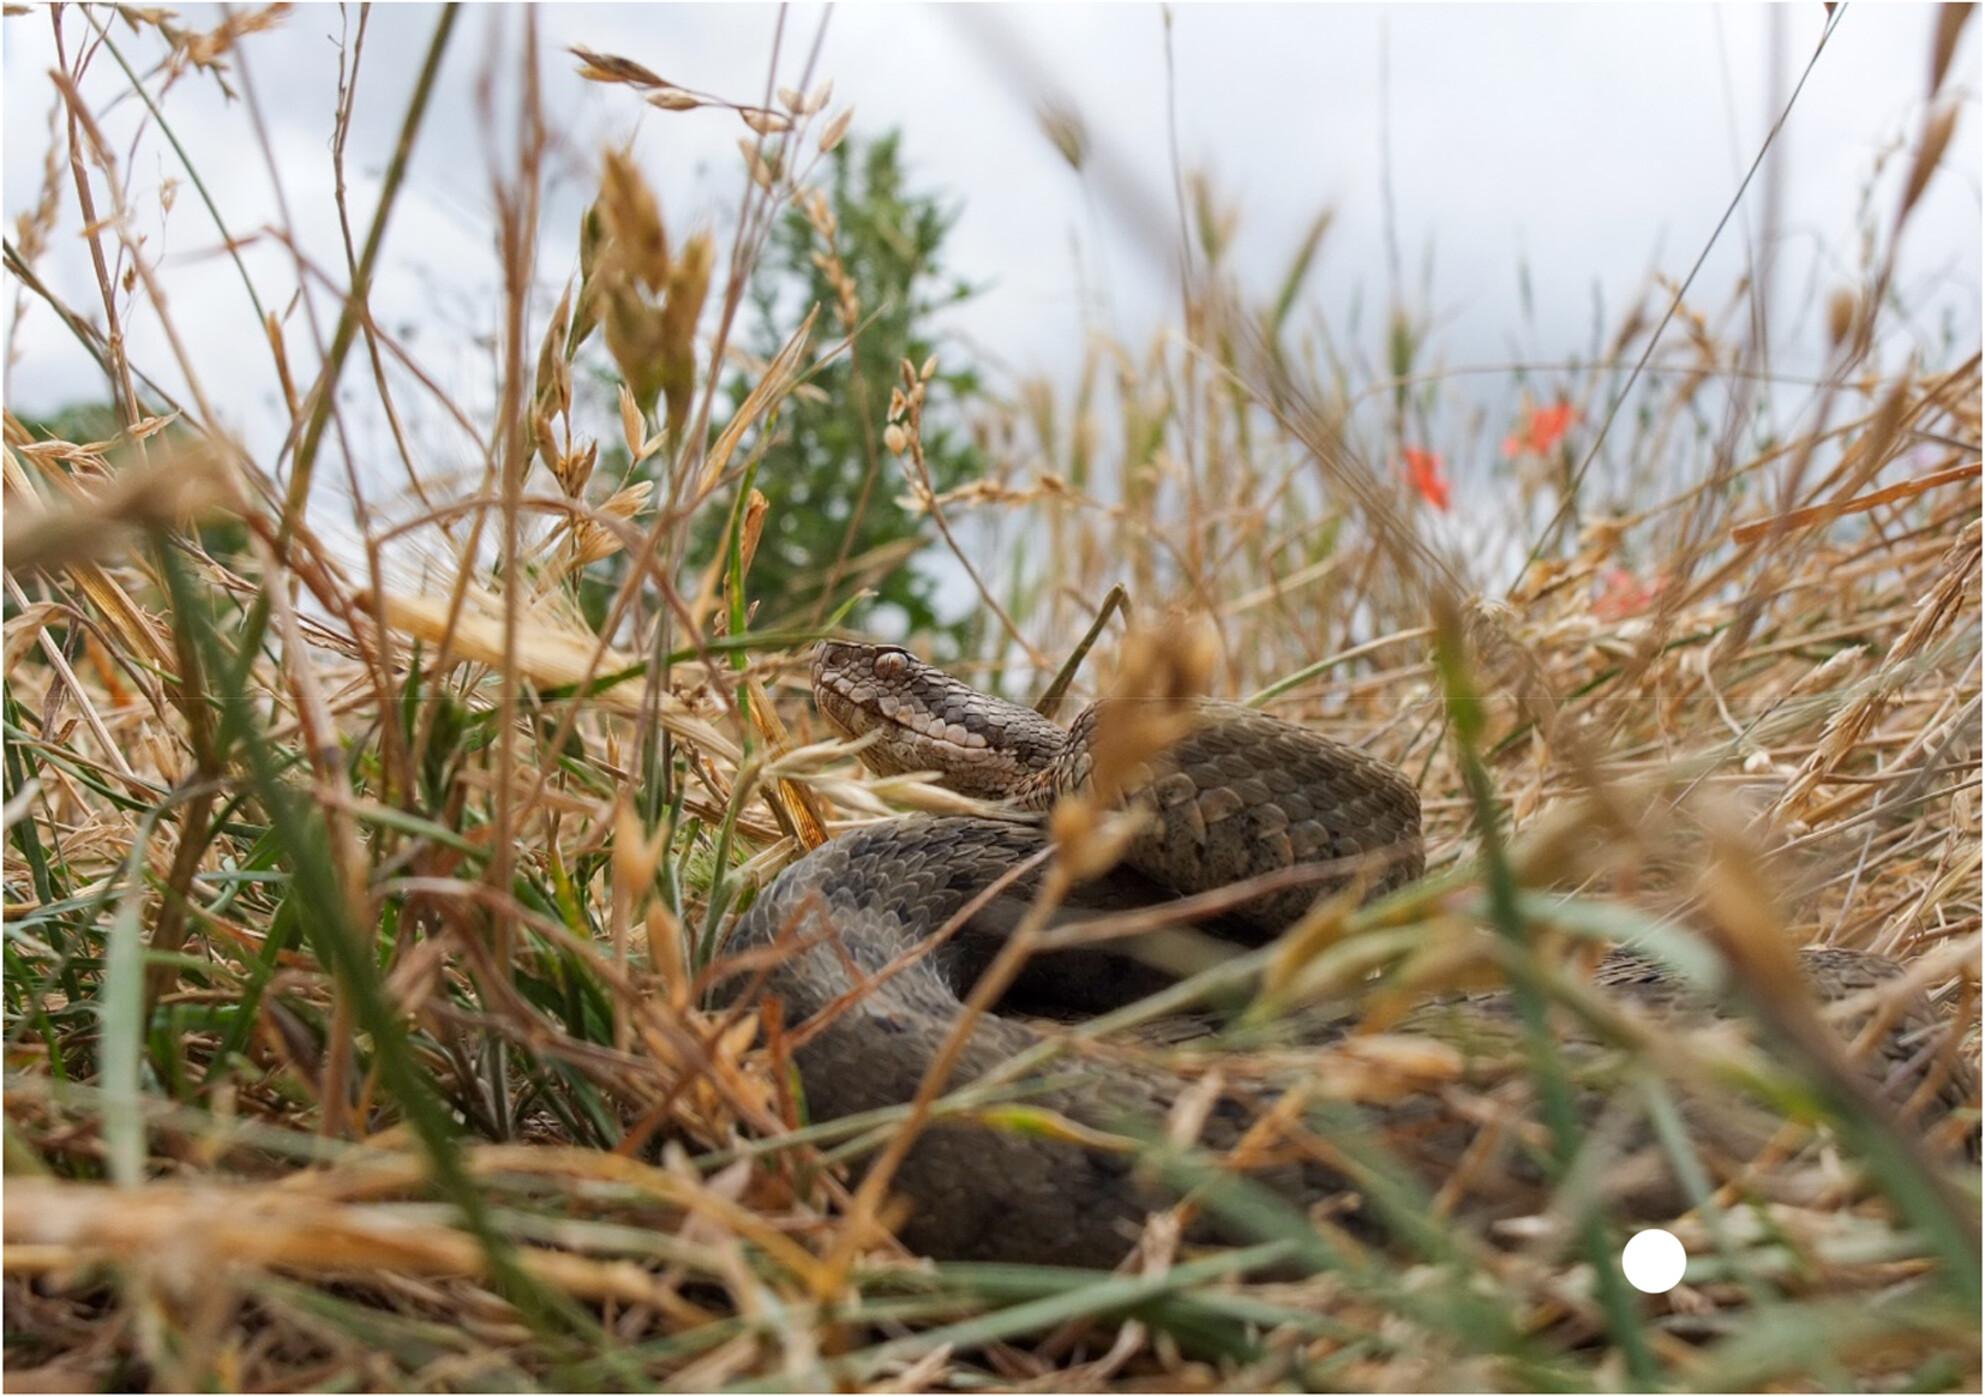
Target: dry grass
356	926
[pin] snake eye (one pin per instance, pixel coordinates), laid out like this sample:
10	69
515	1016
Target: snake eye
890	664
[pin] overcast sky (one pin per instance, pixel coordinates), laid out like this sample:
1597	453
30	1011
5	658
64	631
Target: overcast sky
1593	142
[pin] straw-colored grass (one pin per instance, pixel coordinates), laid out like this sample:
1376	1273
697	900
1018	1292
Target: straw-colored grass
358	919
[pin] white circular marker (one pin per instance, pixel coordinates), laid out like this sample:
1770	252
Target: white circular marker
1654	1261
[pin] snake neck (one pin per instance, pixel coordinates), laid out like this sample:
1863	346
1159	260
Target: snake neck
923	719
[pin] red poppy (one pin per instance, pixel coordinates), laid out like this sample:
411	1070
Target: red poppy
1622	595
1542	430
1428	474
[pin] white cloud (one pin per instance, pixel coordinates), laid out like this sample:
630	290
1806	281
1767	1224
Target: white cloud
1579	139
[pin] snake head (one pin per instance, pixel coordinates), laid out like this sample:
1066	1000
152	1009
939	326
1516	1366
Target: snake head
849	678
925	720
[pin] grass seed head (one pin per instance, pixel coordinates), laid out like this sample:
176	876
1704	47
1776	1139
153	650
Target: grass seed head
633	222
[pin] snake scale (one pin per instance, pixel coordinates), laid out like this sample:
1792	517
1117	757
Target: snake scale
1241	794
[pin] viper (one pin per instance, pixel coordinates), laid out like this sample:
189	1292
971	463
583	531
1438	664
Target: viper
879	935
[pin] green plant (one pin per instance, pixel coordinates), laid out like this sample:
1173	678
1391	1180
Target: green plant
869	249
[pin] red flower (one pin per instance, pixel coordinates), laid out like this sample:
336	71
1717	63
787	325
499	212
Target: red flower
1541	431
1623	595
1427	474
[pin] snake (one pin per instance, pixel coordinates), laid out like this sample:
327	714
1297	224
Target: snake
874	939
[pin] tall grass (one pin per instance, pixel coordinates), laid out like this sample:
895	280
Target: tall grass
358	924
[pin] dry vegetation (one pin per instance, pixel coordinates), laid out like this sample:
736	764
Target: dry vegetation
355	924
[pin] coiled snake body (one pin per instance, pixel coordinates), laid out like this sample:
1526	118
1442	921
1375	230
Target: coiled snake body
1241	794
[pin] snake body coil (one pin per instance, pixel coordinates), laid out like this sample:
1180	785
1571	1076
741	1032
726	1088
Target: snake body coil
1241	794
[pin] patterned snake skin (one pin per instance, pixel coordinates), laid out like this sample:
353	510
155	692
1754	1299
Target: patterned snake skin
1242	794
